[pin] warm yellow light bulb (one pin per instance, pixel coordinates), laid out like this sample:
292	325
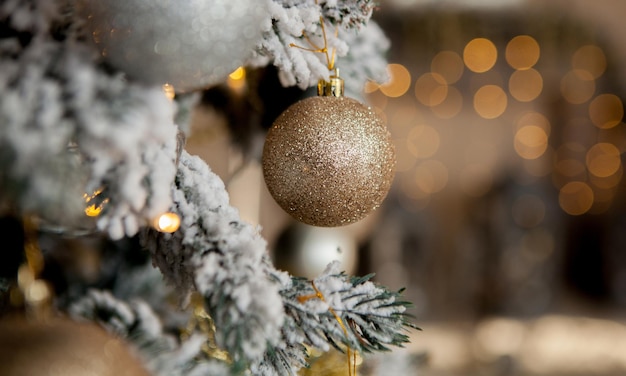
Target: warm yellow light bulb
93	210
238	74
167	222
237	79
169	91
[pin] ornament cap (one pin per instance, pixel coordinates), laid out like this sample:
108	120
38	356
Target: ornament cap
332	88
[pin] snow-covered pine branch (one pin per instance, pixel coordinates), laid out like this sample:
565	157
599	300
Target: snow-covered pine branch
55	94
366	59
161	353
297	23
259	316
373	318
224	259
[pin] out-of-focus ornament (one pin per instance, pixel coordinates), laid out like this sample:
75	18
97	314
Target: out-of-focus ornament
167	222
328	160
63	347
330	363
187	44
306	251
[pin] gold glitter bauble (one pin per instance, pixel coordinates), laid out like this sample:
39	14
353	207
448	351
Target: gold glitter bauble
63	347
328	161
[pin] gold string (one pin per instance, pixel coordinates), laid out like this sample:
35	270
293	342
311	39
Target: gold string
330	59
200	320
350	354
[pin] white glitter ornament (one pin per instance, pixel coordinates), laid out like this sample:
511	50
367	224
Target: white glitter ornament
189	44
328	160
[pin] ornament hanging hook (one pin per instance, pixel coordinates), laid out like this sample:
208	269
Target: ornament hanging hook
334	87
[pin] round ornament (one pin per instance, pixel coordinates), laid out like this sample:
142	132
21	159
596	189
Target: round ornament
187	44
328	161
63	347
306	251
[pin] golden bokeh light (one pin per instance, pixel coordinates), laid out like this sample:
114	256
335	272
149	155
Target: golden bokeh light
530	142
399	82
603	159
449	65
534	118
451	106
169	91
475	180
606	111
237	79
431	89
590	58
431	176
423	141
525	85
608	182
480	55
577	86
490	101
576	198
522	52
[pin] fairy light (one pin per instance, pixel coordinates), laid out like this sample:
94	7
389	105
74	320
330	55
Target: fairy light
525	85
590	58
449	65
167	222
577	86
530	142
603	159
169	91
431	89
490	101
399	83
95	208
237	79
576	198
606	111
480	55
522	52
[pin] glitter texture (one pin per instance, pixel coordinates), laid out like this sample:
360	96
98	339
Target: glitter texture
328	161
187	44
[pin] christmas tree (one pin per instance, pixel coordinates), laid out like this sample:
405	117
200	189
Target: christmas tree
94	109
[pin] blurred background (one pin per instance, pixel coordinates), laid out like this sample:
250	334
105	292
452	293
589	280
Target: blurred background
506	221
